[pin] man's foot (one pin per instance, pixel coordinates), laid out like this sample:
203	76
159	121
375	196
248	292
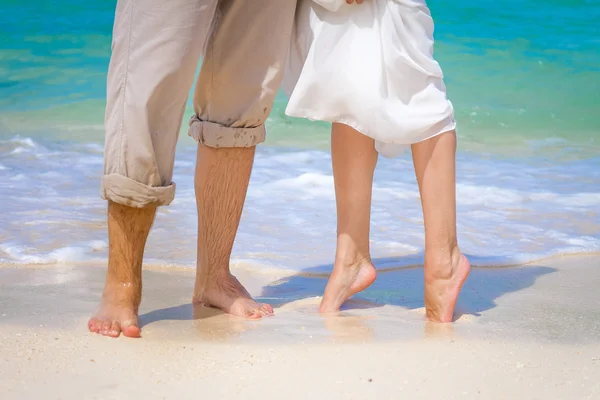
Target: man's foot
346	280
117	313
228	294
442	286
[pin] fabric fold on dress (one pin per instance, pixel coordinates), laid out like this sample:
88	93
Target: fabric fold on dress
369	66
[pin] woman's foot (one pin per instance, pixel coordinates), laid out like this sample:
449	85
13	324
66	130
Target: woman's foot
443	282
346	280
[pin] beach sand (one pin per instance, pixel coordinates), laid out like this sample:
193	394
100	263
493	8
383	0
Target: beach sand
527	332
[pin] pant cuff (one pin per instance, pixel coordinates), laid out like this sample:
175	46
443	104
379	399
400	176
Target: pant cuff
122	190
215	135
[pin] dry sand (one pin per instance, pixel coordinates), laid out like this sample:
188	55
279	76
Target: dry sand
530	332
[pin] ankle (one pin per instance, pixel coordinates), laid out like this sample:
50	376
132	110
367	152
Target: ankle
440	264
209	277
122	292
350	259
351	252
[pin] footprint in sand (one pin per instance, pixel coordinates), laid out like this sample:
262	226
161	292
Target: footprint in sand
310	305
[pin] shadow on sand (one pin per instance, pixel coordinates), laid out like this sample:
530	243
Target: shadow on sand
402	286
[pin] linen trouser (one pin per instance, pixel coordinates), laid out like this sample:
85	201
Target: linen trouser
156	47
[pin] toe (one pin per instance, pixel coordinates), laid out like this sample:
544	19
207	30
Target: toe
115	329
105	327
97	325
252	313
266	310
92	325
131	330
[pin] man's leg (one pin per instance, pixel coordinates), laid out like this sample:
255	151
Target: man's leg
128	229
241	73
156	48
220	196
446	269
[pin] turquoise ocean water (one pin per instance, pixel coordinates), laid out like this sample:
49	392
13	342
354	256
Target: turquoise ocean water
524	77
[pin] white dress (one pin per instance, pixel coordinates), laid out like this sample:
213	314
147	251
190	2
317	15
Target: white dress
369	66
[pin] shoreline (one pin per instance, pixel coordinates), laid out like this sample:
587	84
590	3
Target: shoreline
242	264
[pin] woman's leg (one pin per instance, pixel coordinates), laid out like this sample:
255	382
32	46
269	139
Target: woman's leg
354	158
446	269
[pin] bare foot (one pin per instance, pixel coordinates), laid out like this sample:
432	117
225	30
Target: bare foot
442	287
229	295
118	312
346	280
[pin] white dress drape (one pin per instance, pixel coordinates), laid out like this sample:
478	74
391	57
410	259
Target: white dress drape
369	66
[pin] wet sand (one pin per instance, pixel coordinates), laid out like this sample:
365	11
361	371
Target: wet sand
522	332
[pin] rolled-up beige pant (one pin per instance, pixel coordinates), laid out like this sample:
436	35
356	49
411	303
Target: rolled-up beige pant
156	48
